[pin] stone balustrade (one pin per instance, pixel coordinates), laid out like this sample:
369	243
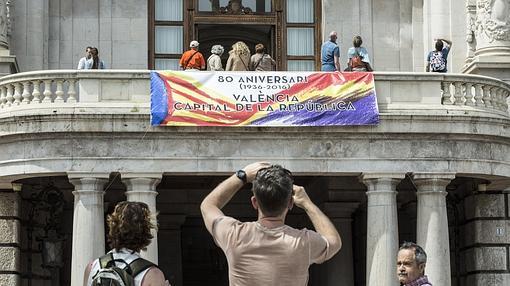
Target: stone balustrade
475	91
122	91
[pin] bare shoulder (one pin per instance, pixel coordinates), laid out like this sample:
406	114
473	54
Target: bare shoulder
154	277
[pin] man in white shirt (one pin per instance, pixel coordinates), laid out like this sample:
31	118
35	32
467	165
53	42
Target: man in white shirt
88	56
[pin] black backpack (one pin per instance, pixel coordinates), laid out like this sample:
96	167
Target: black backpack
109	274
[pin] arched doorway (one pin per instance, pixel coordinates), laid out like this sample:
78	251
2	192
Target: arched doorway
227	34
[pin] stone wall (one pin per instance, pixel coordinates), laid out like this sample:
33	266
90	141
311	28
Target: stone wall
9	238
53	34
485	246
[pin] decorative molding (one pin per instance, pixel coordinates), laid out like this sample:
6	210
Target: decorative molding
492	20
230	19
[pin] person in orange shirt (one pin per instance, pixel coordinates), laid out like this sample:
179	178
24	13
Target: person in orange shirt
192	59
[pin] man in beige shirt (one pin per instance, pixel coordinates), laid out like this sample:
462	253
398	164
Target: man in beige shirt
266	251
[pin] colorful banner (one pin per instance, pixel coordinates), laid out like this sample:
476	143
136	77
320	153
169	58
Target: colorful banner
193	98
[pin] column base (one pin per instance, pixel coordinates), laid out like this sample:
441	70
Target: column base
495	65
8	63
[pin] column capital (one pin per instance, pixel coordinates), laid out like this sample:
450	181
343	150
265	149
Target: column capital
156	175
145	184
88	181
425	175
432	182
80	175
379	182
381	175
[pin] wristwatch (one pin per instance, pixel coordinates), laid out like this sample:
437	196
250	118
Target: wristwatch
241	174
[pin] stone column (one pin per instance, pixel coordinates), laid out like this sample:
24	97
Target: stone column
10	238
432	225
171	255
436	22
88	222
382	228
340	267
142	188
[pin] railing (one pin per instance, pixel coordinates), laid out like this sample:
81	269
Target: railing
405	92
475	91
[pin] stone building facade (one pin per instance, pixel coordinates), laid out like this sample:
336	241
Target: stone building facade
436	170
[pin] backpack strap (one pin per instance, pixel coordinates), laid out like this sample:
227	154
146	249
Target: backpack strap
244	64
139	265
105	260
189	59
258	62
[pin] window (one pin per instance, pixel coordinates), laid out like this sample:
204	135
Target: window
167	33
301	35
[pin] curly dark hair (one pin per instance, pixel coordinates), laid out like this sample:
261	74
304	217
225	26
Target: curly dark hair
273	189
130	226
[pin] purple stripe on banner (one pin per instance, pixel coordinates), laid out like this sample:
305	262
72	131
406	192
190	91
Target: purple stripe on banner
364	112
159	100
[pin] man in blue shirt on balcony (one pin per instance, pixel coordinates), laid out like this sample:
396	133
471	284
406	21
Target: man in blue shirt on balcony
330	54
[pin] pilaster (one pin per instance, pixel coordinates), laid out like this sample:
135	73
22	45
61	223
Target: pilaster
10	238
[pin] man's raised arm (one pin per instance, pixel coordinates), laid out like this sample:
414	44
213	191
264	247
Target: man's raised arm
212	204
320	221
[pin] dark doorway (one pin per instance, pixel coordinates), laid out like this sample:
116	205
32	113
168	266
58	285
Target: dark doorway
227	34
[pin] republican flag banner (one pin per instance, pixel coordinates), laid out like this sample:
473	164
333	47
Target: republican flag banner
194	98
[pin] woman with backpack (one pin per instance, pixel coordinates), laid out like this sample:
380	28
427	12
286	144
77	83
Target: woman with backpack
358	57
261	61
129	232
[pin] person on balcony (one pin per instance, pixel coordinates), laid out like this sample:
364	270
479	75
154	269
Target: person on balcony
214	61
129	232
267	251
437	59
358	57
82	63
96	63
330	54
192	59
261	61
411	263
239	58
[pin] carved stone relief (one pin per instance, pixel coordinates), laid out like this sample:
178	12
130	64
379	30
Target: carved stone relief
492	20
235	7
471	28
4	22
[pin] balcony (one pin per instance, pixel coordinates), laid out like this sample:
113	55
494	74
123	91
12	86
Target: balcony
54	122
128	92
